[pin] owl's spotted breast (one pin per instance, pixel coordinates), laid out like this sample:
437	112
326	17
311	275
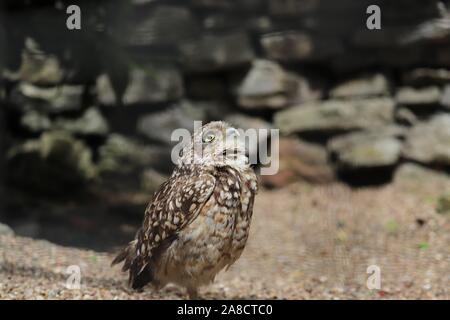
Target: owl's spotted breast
216	238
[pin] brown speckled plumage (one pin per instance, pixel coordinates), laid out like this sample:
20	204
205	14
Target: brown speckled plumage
198	221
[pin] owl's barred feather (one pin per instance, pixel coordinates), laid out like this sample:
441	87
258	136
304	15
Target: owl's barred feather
177	202
198	221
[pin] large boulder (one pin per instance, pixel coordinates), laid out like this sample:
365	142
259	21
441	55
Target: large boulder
91	123
106	95
426	76
123	154
146	84
153	85
299	46
419	98
158	126
365	150
334	115
418	179
123	161
56	163
165	25
429	142
35	121
6	230
267	85
411	173
64	98
363	86
300	160
38	67
217	52
217	21
406	116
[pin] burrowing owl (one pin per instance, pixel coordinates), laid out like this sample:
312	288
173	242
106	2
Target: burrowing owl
198	221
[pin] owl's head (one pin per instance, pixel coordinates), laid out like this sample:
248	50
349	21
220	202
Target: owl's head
216	144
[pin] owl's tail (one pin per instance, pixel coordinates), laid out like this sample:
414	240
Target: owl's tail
139	269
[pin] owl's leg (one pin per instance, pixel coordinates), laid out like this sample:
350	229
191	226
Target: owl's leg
192	293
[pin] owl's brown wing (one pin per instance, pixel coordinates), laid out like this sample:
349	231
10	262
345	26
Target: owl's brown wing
174	205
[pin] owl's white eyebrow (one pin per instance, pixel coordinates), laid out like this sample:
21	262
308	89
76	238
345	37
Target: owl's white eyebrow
233	132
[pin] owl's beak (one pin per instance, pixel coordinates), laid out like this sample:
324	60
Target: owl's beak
236	142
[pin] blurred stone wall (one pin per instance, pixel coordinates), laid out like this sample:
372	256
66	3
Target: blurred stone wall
94	108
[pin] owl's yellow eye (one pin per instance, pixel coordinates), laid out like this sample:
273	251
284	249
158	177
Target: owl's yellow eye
209	138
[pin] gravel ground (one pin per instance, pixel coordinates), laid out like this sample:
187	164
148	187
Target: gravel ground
307	242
